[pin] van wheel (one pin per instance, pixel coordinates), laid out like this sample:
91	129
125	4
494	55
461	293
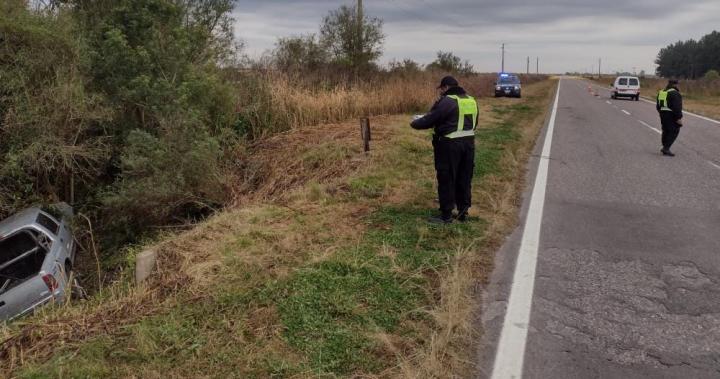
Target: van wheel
637	98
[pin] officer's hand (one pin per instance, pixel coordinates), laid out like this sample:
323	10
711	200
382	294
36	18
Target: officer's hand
680	122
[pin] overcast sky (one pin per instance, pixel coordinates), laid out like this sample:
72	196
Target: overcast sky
567	35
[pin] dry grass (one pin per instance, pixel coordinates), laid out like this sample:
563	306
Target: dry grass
281	103
273	167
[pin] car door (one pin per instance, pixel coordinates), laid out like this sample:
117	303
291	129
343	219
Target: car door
634	84
622	85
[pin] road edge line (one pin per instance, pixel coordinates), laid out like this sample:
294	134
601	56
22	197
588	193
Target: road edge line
510	354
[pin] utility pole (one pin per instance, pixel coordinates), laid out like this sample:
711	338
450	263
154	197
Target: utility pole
358	47
503	58
528	65
537	66
599	68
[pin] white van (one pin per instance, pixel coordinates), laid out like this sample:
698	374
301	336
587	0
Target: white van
626	86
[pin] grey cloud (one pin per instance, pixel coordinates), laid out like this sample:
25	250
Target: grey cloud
569	34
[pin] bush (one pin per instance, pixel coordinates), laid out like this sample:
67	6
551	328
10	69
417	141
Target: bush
176	175
711	75
52	145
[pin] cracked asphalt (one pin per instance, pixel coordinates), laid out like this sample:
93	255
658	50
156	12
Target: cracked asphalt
628	276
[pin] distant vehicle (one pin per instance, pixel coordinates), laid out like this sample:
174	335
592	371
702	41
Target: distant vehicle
626	86
508	85
37	253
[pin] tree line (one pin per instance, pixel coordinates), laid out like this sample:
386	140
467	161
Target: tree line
690	59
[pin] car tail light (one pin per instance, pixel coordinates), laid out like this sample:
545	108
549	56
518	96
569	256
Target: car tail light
50	282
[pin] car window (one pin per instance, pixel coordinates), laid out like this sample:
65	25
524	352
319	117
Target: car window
634	82
623	82
48	223
509	80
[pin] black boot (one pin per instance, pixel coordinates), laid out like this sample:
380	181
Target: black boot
667	152
462	216
440	219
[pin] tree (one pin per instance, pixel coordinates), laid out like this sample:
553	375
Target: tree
301	53
353	42
708	54
449	62
690	59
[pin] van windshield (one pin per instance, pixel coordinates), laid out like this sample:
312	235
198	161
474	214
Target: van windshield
634	82
623	82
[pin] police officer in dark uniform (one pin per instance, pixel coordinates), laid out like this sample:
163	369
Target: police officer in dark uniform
669	105
454	118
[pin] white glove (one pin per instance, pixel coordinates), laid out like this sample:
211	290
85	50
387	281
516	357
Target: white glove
417	117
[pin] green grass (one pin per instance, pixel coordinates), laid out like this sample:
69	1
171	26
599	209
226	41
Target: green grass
330	309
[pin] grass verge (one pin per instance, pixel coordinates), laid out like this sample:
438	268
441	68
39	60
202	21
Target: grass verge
340	277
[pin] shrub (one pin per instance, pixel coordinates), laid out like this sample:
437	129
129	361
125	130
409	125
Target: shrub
177	174
711	75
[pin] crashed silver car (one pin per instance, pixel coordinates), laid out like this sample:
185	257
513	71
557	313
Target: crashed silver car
37	253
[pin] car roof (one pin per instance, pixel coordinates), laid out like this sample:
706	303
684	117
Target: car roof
628	77
19	220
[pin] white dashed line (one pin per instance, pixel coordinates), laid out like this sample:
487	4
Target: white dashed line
647	101
626	112
608	101
513	339
714	165
649	126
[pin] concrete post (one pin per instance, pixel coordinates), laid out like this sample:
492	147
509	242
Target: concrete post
144	265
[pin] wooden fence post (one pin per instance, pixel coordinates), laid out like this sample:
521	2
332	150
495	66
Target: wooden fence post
365	133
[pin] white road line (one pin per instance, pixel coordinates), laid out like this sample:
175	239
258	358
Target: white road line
626	112
513	339
648	101
608	101
714	165
702	117
649	126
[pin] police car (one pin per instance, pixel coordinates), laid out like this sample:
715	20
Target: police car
508	85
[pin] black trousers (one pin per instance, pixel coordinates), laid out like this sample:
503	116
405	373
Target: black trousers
670	132
454	164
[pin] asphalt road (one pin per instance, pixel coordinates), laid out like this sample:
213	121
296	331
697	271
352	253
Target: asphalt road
627	275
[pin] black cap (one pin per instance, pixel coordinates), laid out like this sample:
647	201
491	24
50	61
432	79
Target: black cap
448	81
673	82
